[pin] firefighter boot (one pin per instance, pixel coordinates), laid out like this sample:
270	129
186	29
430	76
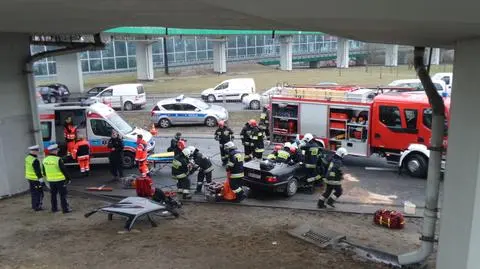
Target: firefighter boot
331	200
199	189
187	195
321	203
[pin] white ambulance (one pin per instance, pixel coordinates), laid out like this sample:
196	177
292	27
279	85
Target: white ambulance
95	121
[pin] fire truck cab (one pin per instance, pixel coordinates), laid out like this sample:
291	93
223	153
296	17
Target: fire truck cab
94	121
395	125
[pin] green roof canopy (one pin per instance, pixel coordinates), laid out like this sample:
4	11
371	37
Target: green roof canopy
161	31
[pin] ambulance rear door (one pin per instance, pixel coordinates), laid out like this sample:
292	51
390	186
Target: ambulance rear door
47	127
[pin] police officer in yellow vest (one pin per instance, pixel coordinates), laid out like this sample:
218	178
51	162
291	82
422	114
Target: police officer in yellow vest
58	178
33	173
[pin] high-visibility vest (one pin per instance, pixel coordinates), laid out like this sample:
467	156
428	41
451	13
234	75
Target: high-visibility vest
282	154
29	171
52	169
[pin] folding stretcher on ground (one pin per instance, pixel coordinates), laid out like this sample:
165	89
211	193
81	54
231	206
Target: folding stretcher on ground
159	159
134	208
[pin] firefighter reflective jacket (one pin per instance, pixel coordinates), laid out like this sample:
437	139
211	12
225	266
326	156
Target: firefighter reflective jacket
311	152
141	152
264	119
235	164
283	156
224	135
257	136
245	135
180	166
202	161
334	173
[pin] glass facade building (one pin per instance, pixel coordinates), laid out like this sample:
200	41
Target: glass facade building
119	55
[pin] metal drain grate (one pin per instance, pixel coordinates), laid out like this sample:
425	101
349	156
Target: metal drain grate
317	236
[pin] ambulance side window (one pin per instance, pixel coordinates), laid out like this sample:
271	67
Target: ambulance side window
46	131
101	127
390	116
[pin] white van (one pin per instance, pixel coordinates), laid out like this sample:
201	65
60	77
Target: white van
232	89
447	78
416	83
126	96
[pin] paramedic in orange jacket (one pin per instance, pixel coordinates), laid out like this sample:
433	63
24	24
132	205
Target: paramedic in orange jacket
141	155
70	134
81	153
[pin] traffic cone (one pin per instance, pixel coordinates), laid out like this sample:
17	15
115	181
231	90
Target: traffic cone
153	130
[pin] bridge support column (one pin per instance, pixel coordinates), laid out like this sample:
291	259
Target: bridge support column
343	47
220	55
460	214
435	56
286	53
15	112
69	72
144	58
391	55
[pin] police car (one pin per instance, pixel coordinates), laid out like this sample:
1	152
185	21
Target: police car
185	110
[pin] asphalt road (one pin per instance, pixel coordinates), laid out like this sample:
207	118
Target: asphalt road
381	186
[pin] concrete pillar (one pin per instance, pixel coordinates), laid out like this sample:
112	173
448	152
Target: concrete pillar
435	56
286	53
391	55
69	72
220	55
15	114
144	58
343	47
460	214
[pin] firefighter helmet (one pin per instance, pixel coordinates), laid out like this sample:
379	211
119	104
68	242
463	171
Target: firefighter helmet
230	145
252	123
293	150
277	148
287	145
341	152
221	124
308	137
187	152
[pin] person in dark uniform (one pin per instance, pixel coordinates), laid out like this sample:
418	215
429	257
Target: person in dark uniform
58	178
174	144
235	170
223	135
310	158
181	168
334	177
256	137
265	121
33	173
246	141
116	146
283	155
205	168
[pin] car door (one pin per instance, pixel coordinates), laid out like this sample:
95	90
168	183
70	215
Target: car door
221	91
106	97
99	132
169	112
386	126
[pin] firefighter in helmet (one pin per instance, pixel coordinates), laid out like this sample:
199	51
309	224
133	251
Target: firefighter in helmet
181	168
265	120
257	137
283	155
205	168
310	148
334	176
273	155
247	141
235	170
223	135
174	144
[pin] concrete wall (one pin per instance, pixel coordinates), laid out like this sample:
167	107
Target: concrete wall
15	116
69	72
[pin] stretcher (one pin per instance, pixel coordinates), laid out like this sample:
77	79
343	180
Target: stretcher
161	159
134	208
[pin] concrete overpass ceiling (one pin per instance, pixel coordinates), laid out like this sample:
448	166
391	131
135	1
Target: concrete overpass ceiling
433	23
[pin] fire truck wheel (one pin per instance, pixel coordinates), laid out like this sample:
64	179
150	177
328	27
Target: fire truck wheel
128	160
417	165
291	188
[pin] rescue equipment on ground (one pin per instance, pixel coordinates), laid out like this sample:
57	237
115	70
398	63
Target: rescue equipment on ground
101	188
389	218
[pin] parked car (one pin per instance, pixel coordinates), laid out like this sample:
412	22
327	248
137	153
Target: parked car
417	84
275	177
128	96
185	110
95	90
233	89
447	78
255	100
53	93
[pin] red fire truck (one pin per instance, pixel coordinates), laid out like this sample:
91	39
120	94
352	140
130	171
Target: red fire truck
393	122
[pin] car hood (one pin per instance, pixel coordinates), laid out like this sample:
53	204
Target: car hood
207	91
216	108
278	168
147	136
